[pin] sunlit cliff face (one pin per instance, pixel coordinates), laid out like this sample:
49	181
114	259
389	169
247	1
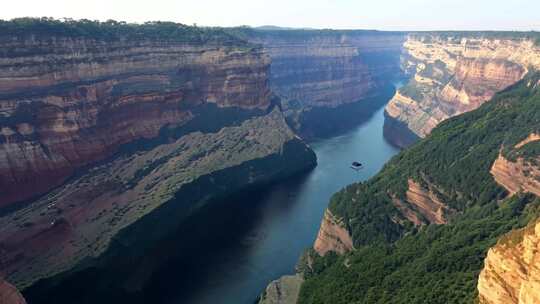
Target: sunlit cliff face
453	76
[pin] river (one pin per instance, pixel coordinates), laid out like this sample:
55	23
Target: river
237	248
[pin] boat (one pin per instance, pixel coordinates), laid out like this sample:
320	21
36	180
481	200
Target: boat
356	166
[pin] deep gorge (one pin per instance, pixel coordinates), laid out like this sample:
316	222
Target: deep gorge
119	141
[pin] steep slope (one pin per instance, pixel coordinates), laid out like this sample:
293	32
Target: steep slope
67	101
332	236
454	73
400	254
511	272
330	80
516	169
110	127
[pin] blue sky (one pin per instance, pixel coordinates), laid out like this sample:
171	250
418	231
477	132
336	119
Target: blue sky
360	14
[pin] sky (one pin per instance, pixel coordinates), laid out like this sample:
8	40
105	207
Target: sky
523	15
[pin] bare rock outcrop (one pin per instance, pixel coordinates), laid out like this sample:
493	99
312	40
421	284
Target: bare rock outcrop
285	290
454	76
332	236
518	176
422	205
328	69
511	273
74	101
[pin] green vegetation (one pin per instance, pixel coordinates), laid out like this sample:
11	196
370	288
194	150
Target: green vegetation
113	30
398	263
440	264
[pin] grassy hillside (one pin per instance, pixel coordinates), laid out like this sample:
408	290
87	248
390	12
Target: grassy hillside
395	262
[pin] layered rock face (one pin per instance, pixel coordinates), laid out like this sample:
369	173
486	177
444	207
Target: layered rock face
70	102
518	176
453	76
422	206
332	236
328	69
99	140
512	269
521	173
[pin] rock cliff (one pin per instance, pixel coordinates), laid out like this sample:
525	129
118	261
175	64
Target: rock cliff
70	102
285	290
332	236
422	206
511	272
516	170
453	75
101	137
323	75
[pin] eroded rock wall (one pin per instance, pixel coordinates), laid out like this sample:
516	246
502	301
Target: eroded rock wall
71	102
511	272
328	69
285	290
333	236
455	75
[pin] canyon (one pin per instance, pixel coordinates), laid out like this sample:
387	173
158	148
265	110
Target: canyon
100	137
110	140
104	132
451	75
431	216
330	80
57	118
516	169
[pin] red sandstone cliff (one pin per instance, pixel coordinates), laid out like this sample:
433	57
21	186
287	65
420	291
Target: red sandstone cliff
453	76
521	174
72	102
331	68
109	133
332	236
